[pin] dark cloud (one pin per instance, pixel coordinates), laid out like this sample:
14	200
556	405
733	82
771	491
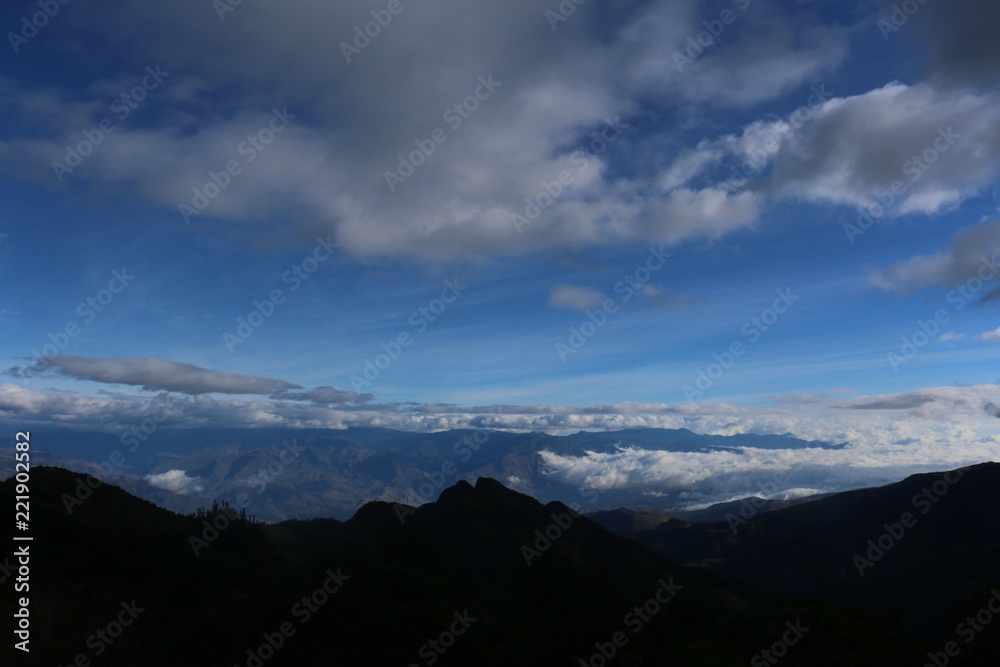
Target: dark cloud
960	34
973	254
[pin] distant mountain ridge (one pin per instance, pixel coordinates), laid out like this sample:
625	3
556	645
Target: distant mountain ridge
331	473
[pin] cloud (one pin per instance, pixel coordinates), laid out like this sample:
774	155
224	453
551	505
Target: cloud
152	374
557	95
908	149
972	255
571	297
888	436
963	50
991	335
814	417
324	396
992	295
176	481
951	335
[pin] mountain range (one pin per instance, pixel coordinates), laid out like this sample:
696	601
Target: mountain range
486	575
331	473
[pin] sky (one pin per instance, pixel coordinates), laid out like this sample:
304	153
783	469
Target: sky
733	216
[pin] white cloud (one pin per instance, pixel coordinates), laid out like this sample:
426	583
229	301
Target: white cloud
176	481
934	147
951	335
991	335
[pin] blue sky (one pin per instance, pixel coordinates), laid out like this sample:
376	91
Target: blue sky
822	105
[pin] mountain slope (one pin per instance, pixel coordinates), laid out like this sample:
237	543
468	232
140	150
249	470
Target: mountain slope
919	544
379	589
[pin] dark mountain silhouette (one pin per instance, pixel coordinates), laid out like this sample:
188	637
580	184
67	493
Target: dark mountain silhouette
624	520
918	545
484	576
744	507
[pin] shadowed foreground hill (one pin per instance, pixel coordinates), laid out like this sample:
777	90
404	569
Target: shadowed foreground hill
919	545
471	579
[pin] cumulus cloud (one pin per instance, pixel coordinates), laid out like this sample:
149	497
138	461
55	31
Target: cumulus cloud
572	297
991	335
153	373
950	335
563	101
702	478
176	481
904	148
973	255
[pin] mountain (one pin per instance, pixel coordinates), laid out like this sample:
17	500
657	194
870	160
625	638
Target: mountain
483	576
919	545
624	520
331	473
751	505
